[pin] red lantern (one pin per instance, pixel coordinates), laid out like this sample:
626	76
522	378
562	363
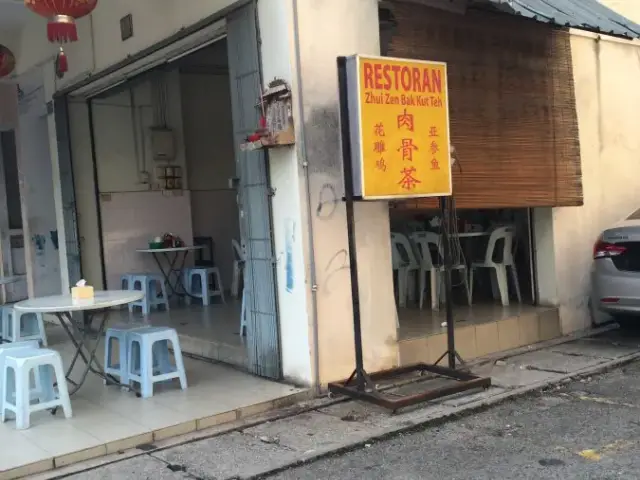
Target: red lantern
62	15
7	61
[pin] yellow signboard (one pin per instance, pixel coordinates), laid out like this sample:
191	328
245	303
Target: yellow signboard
399	118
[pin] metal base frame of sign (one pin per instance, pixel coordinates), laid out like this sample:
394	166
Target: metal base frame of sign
362	385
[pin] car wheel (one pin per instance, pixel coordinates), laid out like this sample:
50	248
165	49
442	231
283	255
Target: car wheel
628	322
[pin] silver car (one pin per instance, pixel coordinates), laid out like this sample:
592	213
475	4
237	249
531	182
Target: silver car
615	276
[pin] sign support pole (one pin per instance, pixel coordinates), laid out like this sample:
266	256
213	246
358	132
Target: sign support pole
359	374
362	385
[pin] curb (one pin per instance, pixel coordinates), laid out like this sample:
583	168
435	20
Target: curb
438	419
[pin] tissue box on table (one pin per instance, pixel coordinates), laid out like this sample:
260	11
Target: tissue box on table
82	291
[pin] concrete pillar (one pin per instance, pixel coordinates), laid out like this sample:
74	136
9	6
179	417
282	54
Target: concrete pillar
326	30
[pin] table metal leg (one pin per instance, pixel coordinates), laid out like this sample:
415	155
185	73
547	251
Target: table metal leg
87	354
177	287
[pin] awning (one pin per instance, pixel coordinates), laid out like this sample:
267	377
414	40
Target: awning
588	15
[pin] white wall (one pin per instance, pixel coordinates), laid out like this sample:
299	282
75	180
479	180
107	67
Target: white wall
210	159
100	45
134	212
607	104
290	227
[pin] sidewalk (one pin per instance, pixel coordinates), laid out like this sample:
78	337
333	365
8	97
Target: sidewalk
323	427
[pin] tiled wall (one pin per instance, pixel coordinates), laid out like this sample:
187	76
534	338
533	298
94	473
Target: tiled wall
486	338
131	220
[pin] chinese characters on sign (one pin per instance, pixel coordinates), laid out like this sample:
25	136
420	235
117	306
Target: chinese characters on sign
403	122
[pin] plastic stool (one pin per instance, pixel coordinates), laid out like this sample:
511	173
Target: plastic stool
7	349
204	292
149	363
119	333
20	364
18	327
148	283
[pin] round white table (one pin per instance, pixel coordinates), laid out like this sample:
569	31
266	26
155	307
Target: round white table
172	256
63	306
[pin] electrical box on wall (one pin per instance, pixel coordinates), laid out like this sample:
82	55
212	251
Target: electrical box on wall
163	144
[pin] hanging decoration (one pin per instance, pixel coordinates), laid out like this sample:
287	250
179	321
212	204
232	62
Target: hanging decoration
61	26
7	61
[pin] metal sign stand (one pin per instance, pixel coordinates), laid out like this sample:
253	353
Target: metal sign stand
361	384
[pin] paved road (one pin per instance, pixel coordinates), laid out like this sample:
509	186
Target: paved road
584	430
587	429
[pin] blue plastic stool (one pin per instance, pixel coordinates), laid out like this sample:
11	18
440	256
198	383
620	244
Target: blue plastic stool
43	385
202	288
148	283
17	393
149	358
120	334
19	327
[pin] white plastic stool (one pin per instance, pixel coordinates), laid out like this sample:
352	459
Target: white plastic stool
149	363
148	283
18	327
119	333
8	348
18	366
204	291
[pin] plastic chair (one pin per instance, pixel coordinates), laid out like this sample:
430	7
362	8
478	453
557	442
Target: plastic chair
404	261
499	260
17	369
424	242
148	351
238	268
204	257
148	283
204	289
21	326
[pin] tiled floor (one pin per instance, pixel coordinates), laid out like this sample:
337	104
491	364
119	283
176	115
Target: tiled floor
209	332
107	420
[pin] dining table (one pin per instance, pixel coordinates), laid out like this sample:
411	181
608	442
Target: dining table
63	307
172	269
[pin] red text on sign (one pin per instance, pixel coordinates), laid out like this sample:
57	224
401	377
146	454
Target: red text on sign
410	79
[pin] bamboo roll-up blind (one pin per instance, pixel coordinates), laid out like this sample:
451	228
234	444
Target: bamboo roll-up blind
512	105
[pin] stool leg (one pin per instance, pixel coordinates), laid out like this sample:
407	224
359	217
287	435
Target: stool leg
5	394
177	353
63	391
165	296
204	283
187	286
124	370
146	302
130	364
22	399
43	333
146	369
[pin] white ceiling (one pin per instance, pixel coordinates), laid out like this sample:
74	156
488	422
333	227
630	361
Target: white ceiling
12	13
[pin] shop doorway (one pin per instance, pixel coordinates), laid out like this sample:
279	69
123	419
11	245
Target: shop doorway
167	160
